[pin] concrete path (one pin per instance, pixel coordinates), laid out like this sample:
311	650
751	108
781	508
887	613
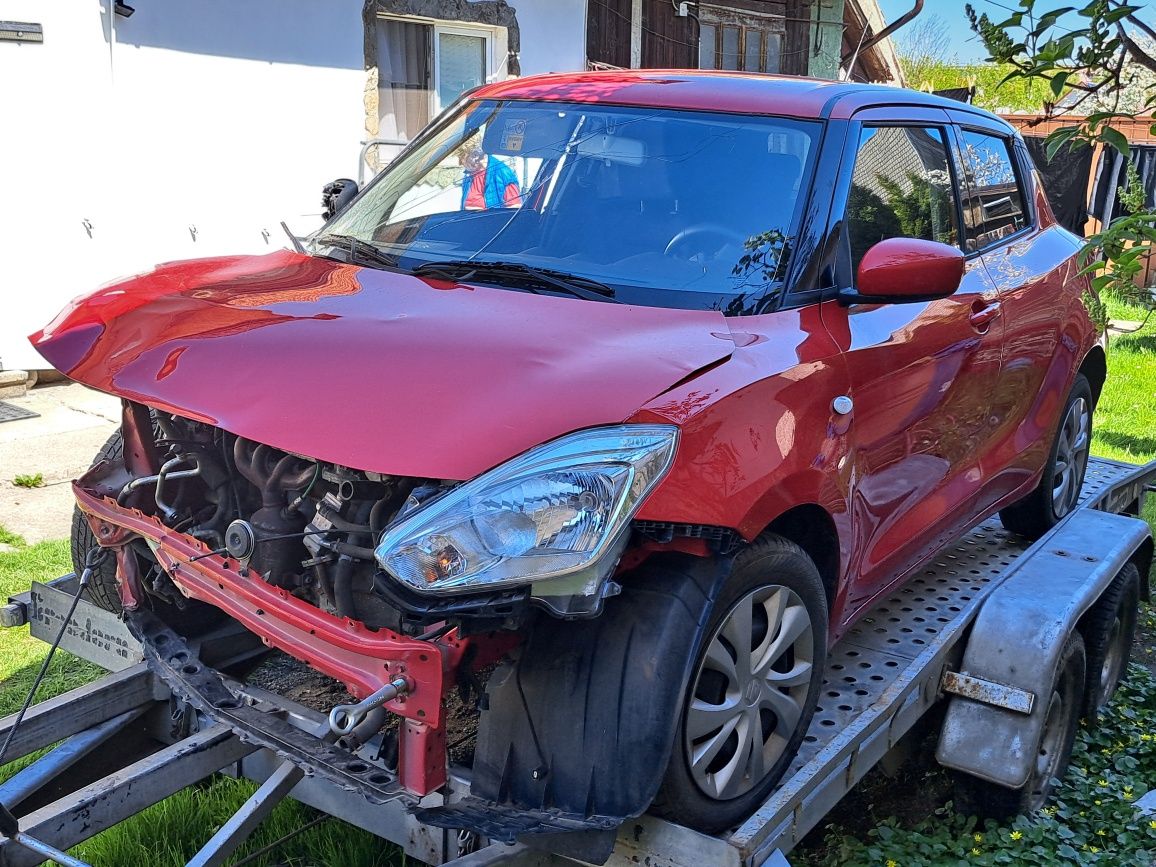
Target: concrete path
74	423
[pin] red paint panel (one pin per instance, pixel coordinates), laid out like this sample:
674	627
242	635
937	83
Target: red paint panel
375	370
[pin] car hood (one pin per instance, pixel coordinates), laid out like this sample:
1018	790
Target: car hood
370	369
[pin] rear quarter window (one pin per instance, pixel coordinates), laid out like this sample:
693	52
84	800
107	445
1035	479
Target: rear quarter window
993	204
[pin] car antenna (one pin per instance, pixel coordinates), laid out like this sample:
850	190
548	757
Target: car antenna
297	245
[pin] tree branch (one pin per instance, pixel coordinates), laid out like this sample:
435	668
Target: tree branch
1138	54
1136	22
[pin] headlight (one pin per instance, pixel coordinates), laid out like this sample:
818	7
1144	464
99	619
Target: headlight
552	512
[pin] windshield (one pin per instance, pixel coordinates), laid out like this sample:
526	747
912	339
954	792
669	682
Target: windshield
666	208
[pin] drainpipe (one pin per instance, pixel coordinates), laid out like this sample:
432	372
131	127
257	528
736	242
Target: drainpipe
849	60
636	34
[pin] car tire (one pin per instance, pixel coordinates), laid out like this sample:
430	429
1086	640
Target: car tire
1058	491
1108	631
983	799
717	774
102	587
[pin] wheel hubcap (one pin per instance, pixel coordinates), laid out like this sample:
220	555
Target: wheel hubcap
1113	660
749	692
1071	457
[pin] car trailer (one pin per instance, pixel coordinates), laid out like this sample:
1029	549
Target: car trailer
981	628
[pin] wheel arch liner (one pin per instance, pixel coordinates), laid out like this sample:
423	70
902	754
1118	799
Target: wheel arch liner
1019	635
584	720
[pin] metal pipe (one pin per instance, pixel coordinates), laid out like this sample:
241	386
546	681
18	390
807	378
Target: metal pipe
152	480
167	473
40	773
10	828
885	32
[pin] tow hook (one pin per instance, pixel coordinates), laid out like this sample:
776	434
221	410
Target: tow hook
344	718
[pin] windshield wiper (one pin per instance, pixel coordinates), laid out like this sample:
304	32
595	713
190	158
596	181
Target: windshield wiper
571	284
359	250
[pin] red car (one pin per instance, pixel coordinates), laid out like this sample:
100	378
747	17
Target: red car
614	401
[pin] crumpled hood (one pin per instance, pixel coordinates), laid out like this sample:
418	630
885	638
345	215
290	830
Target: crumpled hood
375	370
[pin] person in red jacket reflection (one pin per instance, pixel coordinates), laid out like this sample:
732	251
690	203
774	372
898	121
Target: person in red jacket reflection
488	182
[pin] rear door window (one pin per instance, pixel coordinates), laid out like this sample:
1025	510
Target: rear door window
994	206
901	187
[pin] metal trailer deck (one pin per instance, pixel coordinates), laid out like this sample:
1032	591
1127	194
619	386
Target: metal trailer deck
128	744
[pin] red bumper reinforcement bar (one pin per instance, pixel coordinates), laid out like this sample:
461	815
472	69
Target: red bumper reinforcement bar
363	659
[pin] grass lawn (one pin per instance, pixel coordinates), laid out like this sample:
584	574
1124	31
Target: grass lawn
1125	423
171	832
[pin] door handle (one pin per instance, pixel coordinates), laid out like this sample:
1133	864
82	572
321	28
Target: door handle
982	314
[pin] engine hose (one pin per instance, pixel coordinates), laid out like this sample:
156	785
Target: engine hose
343	587
375	516
321	575
355	551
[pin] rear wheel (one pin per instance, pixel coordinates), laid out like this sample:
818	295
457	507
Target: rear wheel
977	797
1059	489
102	585
1108	633
752	691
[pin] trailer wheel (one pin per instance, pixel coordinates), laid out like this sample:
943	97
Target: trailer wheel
976	797
752	690
102	586
1108	632
1059	489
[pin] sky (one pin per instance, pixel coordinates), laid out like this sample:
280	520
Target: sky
964	44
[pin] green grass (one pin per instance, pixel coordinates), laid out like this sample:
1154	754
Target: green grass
171	832
1125	423
20	653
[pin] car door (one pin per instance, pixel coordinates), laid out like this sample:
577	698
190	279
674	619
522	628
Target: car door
1026	263
920	374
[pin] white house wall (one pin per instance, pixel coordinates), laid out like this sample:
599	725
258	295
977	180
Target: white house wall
192	132
553	35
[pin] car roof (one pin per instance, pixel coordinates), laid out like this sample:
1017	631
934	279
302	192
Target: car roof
708	90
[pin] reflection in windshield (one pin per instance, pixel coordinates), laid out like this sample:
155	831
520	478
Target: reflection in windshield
670	208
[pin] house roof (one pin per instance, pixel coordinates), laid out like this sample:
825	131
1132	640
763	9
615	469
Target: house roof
703	90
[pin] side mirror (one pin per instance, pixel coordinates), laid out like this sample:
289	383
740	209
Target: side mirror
336	195
906	269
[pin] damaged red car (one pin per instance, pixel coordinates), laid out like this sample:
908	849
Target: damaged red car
612	403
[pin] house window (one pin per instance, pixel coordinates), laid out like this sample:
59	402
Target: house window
739	40
463	62
423	67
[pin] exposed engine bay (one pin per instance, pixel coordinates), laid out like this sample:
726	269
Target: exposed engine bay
305	526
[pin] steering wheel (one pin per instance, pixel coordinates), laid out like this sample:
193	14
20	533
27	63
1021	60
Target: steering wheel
698	231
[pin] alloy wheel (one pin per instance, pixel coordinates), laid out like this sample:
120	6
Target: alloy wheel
1071	457
750	692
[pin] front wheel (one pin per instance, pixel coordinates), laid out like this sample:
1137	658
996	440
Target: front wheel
752	691
102	585
1058	492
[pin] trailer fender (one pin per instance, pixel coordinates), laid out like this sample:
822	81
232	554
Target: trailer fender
584	719
1018	637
